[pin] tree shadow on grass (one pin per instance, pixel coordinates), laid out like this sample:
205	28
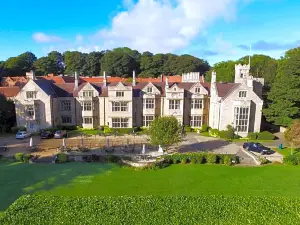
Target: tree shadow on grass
17	179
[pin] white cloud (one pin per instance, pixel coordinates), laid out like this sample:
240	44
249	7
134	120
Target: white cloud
79	38
164	25
44	38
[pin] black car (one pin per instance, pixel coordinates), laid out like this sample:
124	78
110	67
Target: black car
257	147
47	135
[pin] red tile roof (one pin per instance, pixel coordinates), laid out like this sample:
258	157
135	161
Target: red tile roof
9	92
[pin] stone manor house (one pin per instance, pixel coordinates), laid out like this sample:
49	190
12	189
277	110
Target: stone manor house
97	101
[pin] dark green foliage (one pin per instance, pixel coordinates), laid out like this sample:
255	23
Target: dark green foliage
7	114
225	71
199	158
211	158
51	64
74	62
113	159
62	158
92	66
227	160
19	157
187	129
204	128
293	159
265	135
152	210
214	132
252	136
157	165
164	131
16	129
26	157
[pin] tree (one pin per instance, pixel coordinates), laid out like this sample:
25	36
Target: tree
284	102
7	114
53	63
58	62
292	134
74	62
225	71
92	66
164	131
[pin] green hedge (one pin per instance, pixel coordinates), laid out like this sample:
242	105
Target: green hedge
200	158
22	157
62	158
265	135
152	210
293	159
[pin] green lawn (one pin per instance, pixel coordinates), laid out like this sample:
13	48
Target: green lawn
88	179
284	152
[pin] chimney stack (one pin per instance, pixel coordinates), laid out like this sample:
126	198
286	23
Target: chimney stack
213	77
133	79
31	75
167	81
104	79
76	80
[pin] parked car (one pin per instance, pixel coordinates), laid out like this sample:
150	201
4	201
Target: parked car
47	135
22	135
257	147
60	134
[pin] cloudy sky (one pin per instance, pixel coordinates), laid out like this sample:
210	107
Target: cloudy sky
214	30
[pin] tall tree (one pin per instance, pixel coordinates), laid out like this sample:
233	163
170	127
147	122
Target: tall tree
92	66
74	61
284	101
7	114
292	134
53	63
224	70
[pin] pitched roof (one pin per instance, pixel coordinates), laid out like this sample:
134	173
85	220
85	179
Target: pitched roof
46	86
225	88
9	92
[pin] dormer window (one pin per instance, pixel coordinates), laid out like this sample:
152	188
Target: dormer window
175	89
30	94
242	94
197	90
149	89
120	93
87	94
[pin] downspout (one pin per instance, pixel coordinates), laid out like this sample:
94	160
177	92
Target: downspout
219	117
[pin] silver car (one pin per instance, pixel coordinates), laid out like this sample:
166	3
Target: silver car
60	134
22	135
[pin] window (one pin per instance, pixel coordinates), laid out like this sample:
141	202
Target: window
30	94
66	119
147	120
197	90
196	121
30	125
65	105
241	118
87	120
120	93
149	89
87	106
243	94
174	104
87	94
30	110
119	122
197	104
119	106
149	103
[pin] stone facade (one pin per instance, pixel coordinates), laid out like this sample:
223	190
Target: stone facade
43	103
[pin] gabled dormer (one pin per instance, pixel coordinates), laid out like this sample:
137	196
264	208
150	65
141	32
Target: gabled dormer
88	91
197	90
151	90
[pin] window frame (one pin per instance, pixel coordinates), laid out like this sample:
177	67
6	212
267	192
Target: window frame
89	119
87	94
66	119
30	94
241	118
147	119
30	110
121	106
196	121
149	89
87	106
120	94
149	105
243	94
119	122
174	104
197	90
65	106
197	103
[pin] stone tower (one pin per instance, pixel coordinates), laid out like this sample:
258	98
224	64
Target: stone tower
242	73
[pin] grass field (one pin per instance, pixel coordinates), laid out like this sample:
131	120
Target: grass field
83	179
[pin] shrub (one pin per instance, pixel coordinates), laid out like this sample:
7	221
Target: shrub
19	156
184	161
214	132
252	136
194	161
16	129
66	127
263	160
26	157
200	158
265	135
211	158
101	128
226	134
187	129
227	160
204	128
62	158
113	159
292	159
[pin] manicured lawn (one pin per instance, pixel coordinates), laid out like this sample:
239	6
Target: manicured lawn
83	179
284	152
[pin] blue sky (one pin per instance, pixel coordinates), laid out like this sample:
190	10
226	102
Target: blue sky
214	30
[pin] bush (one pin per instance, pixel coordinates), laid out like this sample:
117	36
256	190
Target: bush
26	157
263	160
214	132
16	129
101	128
211	158
293	159
265	135
66	127
226	134
19	157
62	158
113	159
204	128
227	160
184	161
140	210
194	161
252	136
187	129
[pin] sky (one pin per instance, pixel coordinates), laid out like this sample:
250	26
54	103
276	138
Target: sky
214	30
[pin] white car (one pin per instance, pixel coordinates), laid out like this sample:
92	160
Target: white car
22	135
